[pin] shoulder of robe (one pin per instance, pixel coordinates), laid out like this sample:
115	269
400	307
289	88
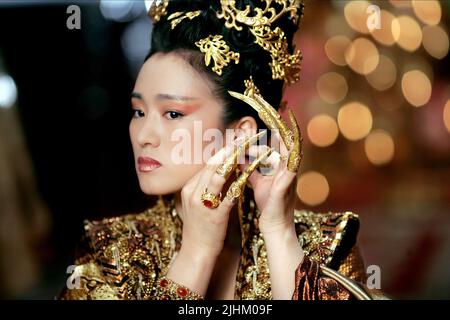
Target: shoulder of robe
123	255
326	237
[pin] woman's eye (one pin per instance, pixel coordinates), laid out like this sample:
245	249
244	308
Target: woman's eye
172	115
138	113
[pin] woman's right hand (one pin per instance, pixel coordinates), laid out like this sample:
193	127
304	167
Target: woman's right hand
204	229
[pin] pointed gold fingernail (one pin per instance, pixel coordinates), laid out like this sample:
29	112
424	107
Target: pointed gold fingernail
228	166
236	188
295	156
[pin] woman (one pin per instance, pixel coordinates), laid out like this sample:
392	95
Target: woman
220	223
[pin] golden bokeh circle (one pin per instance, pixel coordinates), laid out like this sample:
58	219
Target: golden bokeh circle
355	120
332	87
446	115
428	11
322	130
355	13
416	88
401	3
384	75
335	48
407	33
384	34
379	147
313	188
362	56
435	41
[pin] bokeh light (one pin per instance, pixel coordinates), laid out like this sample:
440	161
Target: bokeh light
332	87
407	33
119	10
355	13
135	42
384	75
354	120
336	25
335	49
416	88
8	91
435	41
379	147
447	115
313	188
322	130
384	34
362	56
428	11
401	3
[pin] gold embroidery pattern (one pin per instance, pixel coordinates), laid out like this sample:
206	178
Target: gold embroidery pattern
130	253
319	234
134	250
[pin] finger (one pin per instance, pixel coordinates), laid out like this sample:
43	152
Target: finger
226	205
237	187
284	180
205	176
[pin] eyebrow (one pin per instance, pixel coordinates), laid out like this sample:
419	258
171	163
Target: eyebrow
164	96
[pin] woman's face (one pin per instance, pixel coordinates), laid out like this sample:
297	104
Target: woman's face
172	106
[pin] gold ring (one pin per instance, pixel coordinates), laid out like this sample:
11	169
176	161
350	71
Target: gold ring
210	200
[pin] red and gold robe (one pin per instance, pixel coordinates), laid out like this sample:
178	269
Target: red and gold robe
124	257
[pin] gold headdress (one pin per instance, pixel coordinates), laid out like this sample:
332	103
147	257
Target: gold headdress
285	66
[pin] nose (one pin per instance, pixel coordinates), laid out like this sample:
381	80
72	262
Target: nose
148	133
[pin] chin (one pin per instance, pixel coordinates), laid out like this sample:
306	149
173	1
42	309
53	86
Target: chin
153	186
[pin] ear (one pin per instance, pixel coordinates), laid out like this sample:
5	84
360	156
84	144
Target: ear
245	126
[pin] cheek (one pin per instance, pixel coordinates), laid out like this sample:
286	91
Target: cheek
133	129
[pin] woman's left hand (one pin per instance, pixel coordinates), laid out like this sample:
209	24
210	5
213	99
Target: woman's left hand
275	194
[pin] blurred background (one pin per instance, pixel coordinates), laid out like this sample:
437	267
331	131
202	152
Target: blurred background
373	102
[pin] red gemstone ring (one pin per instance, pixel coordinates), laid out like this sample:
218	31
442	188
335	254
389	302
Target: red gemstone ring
210	200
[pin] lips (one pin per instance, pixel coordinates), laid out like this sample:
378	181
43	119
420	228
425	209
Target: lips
147	164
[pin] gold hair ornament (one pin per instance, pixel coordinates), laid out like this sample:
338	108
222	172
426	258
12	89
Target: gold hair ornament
158	9
284	65
232	15
177	17
214	47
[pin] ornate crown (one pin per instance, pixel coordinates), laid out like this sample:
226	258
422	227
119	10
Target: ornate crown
285	66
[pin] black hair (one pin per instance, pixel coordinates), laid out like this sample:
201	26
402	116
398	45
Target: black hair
253	61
